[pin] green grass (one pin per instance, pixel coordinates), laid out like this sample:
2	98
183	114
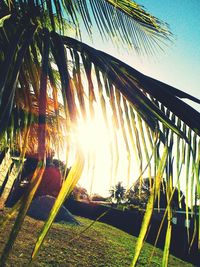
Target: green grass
100	246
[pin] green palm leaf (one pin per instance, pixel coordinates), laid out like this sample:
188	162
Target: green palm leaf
129	82
149	208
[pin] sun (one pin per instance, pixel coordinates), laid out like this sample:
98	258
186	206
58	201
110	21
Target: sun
95	140
93	136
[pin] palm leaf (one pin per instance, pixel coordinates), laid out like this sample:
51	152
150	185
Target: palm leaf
130	131
9	57
41	153
123	22
149	208
169	223
129	82
140	126
59	54
9	91
2	20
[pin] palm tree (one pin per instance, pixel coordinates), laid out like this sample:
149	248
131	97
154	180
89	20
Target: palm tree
48	81
118	192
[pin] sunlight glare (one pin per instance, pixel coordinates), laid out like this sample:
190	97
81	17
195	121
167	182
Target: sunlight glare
93	136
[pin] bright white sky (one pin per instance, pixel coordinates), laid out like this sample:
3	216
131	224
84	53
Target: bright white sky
178	66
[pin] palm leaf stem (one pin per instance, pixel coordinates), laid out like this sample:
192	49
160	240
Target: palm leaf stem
149	209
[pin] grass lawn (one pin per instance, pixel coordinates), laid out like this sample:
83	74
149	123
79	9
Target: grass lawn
100	246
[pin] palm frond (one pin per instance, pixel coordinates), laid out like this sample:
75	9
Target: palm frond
123	22
132	84
149	208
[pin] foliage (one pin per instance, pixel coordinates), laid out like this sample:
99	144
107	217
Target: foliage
50	82
139	194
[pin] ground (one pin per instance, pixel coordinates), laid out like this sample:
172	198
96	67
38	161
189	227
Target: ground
100	246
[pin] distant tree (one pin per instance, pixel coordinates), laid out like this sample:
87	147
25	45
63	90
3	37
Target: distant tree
140	193
80	193
118	193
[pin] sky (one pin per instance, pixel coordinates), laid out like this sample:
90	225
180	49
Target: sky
178	65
